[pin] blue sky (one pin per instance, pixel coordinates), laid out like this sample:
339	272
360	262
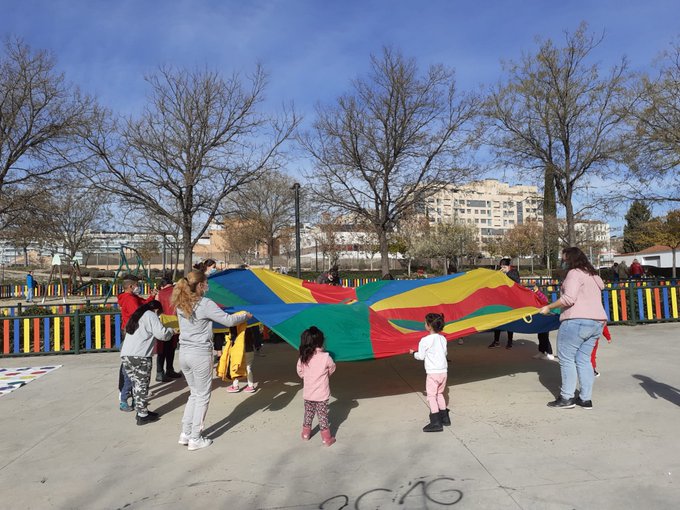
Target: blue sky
312	49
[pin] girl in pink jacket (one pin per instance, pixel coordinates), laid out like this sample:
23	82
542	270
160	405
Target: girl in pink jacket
315	367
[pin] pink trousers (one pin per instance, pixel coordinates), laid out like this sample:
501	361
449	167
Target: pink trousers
434	387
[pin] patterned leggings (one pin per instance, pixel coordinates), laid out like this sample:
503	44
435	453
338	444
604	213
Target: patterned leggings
311	408
139	371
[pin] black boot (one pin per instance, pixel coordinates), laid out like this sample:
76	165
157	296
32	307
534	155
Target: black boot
435	424
444	415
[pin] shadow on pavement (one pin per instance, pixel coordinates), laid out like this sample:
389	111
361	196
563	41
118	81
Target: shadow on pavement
657	389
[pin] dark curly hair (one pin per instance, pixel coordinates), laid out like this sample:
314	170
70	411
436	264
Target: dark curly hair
576	259
310	340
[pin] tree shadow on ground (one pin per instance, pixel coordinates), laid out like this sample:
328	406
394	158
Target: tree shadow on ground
657	389
354	381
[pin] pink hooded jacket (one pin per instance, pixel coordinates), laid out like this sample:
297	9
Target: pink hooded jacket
316	375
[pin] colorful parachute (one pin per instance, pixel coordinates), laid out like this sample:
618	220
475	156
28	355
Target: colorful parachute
383	318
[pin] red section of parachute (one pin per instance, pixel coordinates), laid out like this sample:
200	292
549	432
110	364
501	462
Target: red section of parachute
331	294
385	343
454	311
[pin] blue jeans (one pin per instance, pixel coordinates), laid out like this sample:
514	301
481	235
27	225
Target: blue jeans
575	342
126	390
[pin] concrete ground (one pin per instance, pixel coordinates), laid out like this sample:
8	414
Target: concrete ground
67	446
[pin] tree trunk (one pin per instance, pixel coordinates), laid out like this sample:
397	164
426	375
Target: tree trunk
550	237
26	256
384	253
270	252
673	251
569	213
187	249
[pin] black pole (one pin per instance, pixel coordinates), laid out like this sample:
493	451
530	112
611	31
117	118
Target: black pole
296	189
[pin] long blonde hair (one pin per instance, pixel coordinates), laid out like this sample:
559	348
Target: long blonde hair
185	294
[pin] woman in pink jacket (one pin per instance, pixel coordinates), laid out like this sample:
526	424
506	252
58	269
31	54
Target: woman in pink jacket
315	367
582	319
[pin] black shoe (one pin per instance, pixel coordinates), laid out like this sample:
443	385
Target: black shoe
494	344
161	377
152	413
435	424
563	403
585	404
143	420
444	415
173	374
509	346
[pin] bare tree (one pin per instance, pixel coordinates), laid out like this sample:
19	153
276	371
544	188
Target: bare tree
74	213
452	241
327	237
395	139
411	232
525	239
39	117
26	230
557	113
267	204
654	143
243	239
198	140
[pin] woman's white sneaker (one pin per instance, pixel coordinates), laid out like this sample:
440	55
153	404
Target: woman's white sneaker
183	439
201	442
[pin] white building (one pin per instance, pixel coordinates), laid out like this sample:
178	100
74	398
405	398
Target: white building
656	256
493	207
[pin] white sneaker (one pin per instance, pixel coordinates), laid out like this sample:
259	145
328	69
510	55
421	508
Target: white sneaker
550	357
183	439
201	442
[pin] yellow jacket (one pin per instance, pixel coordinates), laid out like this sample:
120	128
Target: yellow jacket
232	363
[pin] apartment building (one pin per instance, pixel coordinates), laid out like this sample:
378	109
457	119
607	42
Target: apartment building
493	207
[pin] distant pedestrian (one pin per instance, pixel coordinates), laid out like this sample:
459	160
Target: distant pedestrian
636	270
432	350
623	270
615	273
315	367
512	273
30	285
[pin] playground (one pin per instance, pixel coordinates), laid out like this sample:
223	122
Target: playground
67	446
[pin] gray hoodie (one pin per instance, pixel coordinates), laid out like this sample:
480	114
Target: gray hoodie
140	343
196	331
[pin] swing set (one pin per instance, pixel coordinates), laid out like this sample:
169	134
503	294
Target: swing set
139	269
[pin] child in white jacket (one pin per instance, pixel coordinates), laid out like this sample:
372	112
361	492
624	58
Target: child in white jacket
142	329
432	350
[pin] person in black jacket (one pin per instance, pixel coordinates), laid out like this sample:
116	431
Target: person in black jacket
512	273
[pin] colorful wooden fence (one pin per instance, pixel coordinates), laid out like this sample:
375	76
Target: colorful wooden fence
55	290
56	334
636	302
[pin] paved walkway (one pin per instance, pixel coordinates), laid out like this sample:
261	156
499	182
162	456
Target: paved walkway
66	445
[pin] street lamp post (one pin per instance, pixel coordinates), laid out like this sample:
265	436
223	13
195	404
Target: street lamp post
296	189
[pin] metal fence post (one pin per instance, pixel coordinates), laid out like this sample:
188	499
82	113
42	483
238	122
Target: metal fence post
76	332
632	296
